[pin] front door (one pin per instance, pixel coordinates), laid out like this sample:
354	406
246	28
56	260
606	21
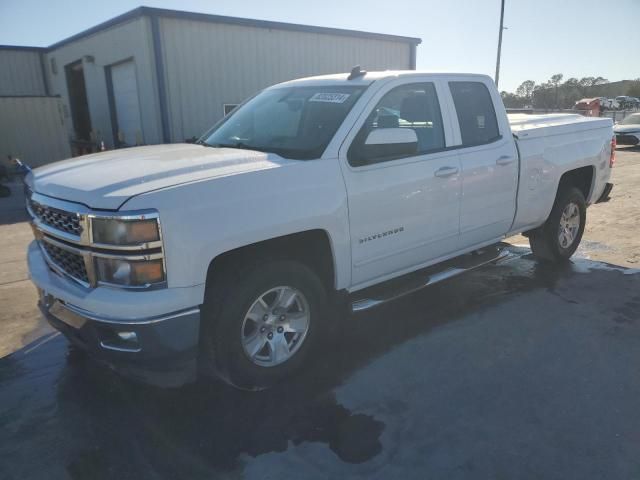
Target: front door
403	211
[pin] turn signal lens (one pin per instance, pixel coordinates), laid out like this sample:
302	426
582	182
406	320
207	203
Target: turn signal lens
612	158
131	273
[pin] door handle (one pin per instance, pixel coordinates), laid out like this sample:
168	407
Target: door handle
504	160
446	171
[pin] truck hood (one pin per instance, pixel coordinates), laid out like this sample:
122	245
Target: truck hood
106	180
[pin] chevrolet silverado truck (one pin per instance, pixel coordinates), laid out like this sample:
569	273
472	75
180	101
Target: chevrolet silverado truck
227	256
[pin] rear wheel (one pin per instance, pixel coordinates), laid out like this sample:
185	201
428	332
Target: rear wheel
560	236
261	323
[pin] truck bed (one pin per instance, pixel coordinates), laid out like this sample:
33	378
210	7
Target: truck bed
526	126
549	145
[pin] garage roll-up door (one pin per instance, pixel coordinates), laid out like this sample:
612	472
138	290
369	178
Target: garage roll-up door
126	104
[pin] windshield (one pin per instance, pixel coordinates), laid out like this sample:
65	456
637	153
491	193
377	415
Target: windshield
631	120
294	122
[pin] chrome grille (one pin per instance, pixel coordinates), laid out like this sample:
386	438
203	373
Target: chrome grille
69	262
67	222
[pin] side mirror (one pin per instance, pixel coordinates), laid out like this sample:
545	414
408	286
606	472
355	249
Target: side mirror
388	143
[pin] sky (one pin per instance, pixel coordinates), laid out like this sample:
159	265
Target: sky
577	38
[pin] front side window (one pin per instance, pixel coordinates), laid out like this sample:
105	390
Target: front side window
414	106
293	122
476	115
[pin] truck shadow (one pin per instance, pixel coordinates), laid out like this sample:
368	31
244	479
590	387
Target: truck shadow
96	424
12	207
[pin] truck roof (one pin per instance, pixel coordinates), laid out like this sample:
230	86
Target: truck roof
369	77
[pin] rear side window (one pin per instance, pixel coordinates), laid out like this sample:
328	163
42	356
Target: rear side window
476	115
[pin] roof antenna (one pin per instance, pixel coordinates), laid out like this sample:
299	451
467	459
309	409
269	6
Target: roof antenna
356	72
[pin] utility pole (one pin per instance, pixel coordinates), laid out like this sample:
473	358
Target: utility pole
500	42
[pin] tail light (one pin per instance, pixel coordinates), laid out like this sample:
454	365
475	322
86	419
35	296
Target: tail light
612	158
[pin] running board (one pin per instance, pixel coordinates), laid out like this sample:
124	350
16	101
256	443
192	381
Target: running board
396	288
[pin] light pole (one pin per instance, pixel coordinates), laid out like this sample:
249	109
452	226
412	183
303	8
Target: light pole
499	42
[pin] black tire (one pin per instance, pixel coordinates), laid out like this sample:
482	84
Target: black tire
227	301
545	242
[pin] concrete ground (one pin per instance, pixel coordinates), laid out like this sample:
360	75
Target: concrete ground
518	370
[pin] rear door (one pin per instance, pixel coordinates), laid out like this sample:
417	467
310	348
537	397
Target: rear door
488	158
403	211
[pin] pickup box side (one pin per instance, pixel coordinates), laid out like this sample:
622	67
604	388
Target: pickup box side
238	211
548	158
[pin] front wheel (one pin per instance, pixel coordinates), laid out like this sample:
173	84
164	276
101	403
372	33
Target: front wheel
262	322
560	236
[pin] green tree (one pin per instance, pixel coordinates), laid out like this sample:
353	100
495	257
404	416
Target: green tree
570	92
525	90
543	95
555	81
511	100
634	88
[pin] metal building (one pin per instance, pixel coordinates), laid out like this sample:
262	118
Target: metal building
153	75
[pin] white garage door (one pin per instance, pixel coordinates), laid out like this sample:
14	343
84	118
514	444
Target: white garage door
125	96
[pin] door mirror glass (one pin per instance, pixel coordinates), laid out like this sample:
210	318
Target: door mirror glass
387	143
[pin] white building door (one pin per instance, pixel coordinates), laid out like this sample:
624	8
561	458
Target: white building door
127	106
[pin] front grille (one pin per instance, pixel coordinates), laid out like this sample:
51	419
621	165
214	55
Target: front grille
67	222
69	262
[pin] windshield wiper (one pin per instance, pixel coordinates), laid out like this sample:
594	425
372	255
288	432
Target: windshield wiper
240	146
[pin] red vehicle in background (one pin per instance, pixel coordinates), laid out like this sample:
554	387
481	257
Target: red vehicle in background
589	107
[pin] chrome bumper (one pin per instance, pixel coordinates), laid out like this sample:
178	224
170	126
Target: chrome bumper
161	350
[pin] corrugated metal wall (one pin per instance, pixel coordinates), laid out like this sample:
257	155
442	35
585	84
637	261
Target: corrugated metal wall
32	129
210	64
130	40
21	72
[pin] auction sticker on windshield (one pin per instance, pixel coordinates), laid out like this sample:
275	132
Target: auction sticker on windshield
330	97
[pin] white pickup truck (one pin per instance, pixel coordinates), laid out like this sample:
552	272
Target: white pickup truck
352	189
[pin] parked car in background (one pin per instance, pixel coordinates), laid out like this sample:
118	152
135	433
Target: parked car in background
231	254
608	103
626	102
628	130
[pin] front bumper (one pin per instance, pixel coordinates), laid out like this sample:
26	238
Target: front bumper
158	348
160	351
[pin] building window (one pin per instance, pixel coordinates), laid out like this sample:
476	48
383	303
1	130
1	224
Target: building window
228	108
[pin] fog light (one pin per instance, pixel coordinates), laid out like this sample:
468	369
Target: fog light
128	336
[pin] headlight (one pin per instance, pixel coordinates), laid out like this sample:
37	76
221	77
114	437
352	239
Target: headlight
133	273
114	231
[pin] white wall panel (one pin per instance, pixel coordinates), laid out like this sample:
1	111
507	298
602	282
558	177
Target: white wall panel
21	73
210	64
129	40
32	129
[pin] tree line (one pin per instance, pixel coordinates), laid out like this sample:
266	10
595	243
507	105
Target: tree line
554	93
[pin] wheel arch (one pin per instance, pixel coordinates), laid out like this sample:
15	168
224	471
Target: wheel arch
313	248
582	178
